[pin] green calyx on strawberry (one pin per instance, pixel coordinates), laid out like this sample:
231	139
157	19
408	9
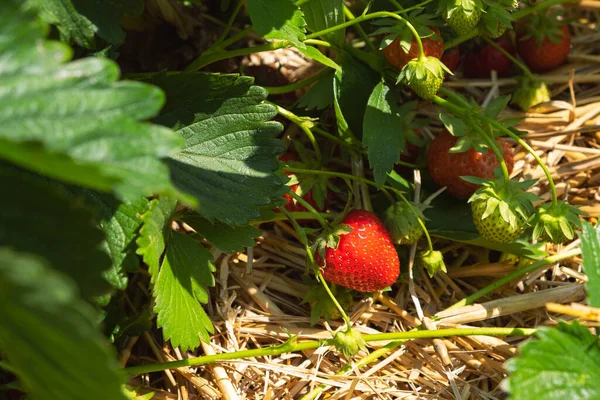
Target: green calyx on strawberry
321	305
349	342
501	209
543	25
496	18
402	223
556	223
433	261
424	76
461	15
531	91
358	253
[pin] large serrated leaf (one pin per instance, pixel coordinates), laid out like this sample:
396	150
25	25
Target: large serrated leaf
277	19
224	237
563	363
156	224
180	288
229	161
78	20
38	219
323	14
120	222
382	132
590	250
43	321
80	124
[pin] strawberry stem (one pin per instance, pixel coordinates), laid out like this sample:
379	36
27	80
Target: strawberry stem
329	293
310	209
303	123
292	345
512	58
359	28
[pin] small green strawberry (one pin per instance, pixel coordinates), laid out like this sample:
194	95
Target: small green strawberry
402	223
321	304
349	342
501	209
424	76
556	223
530	92
433	261
462	20
496	17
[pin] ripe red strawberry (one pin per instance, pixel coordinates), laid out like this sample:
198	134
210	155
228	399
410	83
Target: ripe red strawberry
398	58
480	63
446	168
292	205
365	258
546	50
451	58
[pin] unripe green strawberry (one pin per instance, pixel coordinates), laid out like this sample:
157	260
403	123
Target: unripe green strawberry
499	32
501	208
530	92
463	21
494	227
556	223
402	223
424	76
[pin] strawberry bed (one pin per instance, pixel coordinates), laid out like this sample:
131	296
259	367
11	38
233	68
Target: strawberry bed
269	203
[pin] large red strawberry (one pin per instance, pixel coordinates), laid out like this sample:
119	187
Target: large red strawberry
446	168
365	258
479	63
318	184
543	43
397	57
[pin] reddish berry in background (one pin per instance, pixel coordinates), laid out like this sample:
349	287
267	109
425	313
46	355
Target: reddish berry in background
365	259
479	63
548	55
291	205
451	58
398	58
446	168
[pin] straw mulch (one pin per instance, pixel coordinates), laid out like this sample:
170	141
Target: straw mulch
257	300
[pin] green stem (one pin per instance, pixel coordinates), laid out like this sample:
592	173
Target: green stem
297	85
518	63
318	42
238	36
203	60
512	276
310	208
421	223
296	215
362	18
359	28
329	293
526	146
420	5
293	346
302	123
234	14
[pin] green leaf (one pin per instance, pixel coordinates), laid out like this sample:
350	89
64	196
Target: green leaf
590	249
229	161
316	55
154	231
225	237
120	222
323	14
319	95
496	106
73	27
277	19
179	290
82	125
38	219
106	15
563	363
353	87
49	335
382	127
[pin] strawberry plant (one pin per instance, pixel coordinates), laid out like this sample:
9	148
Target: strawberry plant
162	213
